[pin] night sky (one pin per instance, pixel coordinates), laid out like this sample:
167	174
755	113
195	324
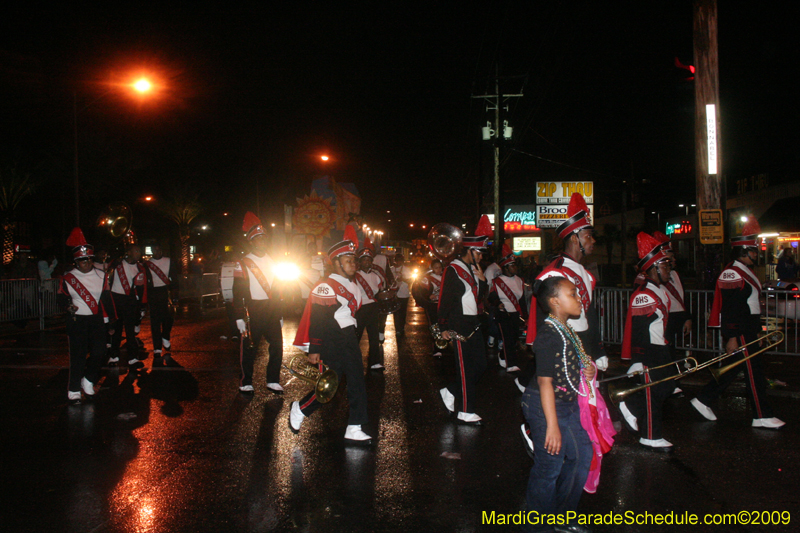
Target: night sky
247	102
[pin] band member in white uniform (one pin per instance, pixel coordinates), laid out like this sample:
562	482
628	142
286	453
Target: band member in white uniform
160	278
327	332
463	289
253	289
127	278
505	297
402	276
368	316
84	295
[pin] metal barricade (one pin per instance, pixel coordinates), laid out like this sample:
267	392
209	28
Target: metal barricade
28	299
780	309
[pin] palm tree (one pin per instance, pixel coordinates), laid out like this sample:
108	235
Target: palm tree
183	208
14	187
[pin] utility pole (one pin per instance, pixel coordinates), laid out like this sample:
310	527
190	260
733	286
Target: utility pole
495	102
708	169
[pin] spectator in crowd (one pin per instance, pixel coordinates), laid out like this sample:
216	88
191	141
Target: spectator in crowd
787	267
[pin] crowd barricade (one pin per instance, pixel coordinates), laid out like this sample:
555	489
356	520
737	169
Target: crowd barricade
780	310
28	299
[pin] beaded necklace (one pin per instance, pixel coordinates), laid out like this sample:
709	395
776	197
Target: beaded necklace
566	331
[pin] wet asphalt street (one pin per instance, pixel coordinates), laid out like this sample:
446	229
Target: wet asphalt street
177	448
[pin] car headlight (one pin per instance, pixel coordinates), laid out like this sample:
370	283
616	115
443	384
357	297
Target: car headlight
286	271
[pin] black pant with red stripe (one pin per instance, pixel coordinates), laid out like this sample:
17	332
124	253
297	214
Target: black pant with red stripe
647	405
343	356
470	364
265	321
753	376
87	335
509	331
160	315
369	318
128	314
431	311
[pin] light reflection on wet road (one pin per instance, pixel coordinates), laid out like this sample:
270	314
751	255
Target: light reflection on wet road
199	456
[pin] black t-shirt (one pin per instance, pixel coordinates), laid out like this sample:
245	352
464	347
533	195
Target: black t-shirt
549	350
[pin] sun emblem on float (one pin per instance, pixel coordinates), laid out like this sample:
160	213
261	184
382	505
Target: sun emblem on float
314	215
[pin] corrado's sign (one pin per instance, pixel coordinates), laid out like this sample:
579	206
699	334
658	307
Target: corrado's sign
519	218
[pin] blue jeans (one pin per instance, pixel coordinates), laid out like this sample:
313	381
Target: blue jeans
556	481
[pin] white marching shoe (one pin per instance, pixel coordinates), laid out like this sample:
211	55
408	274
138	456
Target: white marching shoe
87	386
629	418
469	418
658	445
296	417
526	439
275	387
448	399
705	410
165	343
768	423
354	435
246	388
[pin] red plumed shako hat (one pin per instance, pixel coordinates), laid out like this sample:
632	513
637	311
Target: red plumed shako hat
80	248
252	226
577	217
650	251
749	236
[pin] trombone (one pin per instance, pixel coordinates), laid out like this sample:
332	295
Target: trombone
617	392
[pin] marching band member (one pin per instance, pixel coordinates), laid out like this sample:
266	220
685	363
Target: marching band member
84	294
463	289
679	324
126	277
368	316
327	332
253	285
646	344
427	290
505	295
737	311
159	284
402	276
380	264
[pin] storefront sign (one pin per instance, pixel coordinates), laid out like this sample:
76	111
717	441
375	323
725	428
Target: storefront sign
519	218
683	228
551	216
522	244
559	192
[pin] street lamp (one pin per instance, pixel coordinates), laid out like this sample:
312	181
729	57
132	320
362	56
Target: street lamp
142	86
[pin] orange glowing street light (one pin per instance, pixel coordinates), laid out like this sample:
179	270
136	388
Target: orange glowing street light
142	85
324	157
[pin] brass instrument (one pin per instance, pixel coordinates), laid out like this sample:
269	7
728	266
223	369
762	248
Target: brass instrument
445	241
717	372
247	336
442	343
325	382
617	392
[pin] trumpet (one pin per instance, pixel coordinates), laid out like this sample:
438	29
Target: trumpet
617	392
442	343
325	381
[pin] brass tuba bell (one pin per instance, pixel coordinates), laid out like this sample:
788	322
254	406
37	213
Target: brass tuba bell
445	241
325	382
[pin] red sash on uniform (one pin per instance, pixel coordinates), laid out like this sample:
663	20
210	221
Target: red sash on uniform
365	285
262	280
625	355
82	291
468	277
576	280
674	292
352	303
498	282
123	279
158	272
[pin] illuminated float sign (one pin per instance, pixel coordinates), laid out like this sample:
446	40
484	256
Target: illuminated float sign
522	244
519	218
552	198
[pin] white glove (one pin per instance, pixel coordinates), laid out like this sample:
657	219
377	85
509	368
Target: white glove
602	363
241	326
637	367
